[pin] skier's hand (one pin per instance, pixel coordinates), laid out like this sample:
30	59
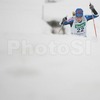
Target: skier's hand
93	9
63	20
91	6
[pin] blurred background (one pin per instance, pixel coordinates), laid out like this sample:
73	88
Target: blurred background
37	62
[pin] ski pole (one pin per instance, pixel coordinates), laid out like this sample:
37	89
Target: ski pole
62	25
94	25
60	28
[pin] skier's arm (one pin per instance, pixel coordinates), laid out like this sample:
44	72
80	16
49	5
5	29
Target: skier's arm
95	13
89	17
68	22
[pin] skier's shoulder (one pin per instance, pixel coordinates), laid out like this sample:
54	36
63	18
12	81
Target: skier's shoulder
70	19
87	16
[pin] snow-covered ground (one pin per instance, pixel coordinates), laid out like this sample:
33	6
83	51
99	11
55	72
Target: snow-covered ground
36	65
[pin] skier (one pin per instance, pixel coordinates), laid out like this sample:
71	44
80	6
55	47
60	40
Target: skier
78	21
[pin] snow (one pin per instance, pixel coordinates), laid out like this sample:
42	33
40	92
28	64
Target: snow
43	66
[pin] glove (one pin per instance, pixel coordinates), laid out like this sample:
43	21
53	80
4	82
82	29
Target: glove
93	9
63	20
91	6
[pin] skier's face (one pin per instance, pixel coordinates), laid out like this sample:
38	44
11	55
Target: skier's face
79	19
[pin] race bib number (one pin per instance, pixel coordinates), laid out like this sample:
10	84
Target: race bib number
80	27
